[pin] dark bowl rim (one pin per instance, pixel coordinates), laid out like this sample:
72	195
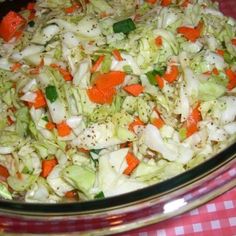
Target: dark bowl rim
153	191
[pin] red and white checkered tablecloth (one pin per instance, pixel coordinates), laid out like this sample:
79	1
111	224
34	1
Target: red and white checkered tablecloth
217	217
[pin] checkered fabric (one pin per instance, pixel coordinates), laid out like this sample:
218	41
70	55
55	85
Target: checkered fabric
217	217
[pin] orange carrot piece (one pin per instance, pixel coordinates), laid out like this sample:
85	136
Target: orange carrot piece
126	144
158	122
97	63
39	101
191	34
72	8
172	75
103	90
11	109
136	122
215	71
233	41
220	52
232	79
50	125
160	82
15	67
9	121
32	15
30	6
83	150
71	194
65	73
63	129
109	80
104	14
165	3
4	174
185	3
19	175
116	54
47	166
101	96
132	162
207	73
35	70
134	89
158	41
192	121
11	26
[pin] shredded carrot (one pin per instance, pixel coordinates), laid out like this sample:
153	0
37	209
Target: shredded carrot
185	3
47	166
97	63
19	175
35	70
191	34
72	8
65	73
231	79
160	82
233	41
30	6
104	14
71	194
158	122
136	122
158	41
14	84
165	3
192	121
132	162
109	80
12	109
172	74
63	129
134	89
11	26
207	73
15	67
126	144
101	96
151	1
215	71
83	150
50	125
39	101
9	121
116	54
4	174
32	15
220	52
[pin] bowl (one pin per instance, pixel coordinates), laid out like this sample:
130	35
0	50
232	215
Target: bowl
127	211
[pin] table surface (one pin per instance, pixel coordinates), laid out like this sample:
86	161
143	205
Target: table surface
217	217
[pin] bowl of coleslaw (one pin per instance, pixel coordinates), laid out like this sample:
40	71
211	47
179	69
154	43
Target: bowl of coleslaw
114	114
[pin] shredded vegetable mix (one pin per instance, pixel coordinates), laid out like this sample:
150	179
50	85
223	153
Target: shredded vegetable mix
100	98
